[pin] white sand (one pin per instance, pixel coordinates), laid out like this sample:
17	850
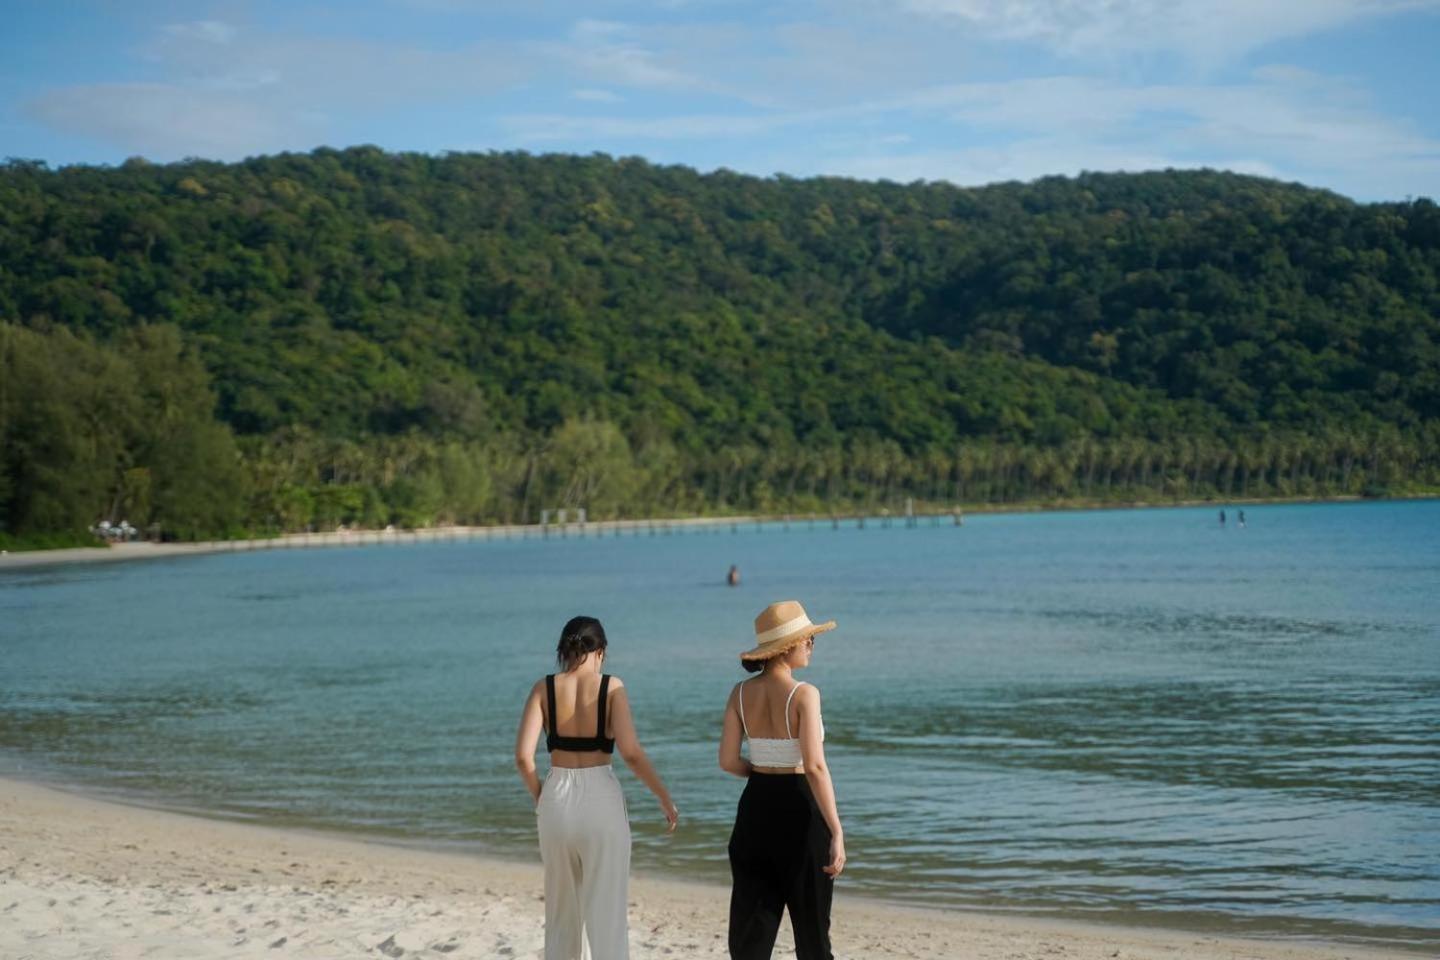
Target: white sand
143	550
81	877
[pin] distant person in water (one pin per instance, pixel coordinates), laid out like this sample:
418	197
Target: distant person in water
733	577
584	829
1222	518
1241	518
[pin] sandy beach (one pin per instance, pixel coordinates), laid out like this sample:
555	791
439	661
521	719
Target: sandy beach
81	877
145	550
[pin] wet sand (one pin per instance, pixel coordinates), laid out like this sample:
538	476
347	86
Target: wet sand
88	878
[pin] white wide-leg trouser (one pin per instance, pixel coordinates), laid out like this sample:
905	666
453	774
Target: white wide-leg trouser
585	844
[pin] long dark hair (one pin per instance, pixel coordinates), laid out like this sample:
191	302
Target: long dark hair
581	635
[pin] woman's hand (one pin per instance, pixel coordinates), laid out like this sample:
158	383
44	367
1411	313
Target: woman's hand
672	815
837	857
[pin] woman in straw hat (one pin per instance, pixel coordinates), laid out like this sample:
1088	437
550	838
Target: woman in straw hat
787	847
584	829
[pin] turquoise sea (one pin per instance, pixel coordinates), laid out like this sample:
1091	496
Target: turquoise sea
1137	716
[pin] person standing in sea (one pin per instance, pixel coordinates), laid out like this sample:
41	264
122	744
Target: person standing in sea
787	846
583	825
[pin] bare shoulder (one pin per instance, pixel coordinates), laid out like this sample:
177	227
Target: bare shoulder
535	699
807	693
616	683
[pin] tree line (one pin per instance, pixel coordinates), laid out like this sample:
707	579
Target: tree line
356	337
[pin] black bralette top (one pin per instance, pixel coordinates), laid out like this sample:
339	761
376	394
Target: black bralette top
554	741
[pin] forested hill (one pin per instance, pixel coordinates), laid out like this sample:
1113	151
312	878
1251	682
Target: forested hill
471	337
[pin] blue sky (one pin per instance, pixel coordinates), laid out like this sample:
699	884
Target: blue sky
1333	93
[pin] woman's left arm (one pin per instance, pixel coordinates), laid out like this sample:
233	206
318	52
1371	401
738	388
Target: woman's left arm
817	772
527	736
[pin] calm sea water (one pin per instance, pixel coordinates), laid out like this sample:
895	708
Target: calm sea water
1128	715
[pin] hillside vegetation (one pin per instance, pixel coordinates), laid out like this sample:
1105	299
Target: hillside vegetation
353	336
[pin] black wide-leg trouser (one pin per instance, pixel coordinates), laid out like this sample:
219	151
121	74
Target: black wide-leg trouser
777	850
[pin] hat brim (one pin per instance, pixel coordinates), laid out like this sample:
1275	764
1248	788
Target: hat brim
768	650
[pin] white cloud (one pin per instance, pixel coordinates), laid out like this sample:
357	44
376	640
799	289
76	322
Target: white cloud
1293	114
1284	122
203	31
830	85
613	53
338	71
781	65
227	93
1206	30
166	121
535	129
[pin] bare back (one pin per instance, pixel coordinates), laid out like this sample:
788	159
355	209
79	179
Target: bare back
770	710
577	703
765	700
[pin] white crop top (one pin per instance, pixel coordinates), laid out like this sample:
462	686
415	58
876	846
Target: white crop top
773	751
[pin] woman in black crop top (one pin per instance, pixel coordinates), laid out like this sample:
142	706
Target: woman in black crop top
583	826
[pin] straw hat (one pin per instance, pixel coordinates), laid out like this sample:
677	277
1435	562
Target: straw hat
781	626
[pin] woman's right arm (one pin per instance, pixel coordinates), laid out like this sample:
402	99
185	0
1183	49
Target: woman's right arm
526	738
812	748
730	734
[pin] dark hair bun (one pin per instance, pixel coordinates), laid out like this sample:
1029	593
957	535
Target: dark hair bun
581	636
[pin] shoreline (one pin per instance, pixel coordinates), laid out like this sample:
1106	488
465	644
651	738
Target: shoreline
145	550
92	877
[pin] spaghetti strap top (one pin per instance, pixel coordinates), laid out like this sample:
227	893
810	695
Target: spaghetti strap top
600	742
774	751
